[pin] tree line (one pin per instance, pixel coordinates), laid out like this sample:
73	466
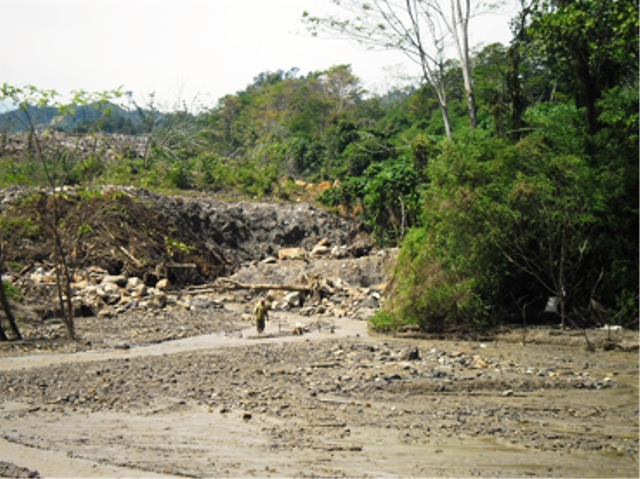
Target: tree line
507	176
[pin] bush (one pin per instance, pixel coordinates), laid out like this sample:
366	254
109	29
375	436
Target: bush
496	216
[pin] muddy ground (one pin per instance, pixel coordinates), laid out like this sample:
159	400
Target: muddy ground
196	392
217	400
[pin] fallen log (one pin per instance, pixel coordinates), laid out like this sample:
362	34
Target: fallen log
226	283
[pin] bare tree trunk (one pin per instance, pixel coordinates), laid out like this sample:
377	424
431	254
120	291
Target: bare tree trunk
59	253
457	24
432	66
63	279
6	307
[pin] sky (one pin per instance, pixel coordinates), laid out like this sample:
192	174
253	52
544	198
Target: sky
186	52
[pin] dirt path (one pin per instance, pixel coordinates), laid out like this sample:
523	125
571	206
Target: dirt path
341	404
247	336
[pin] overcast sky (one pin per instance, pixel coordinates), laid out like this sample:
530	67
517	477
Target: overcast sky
193	51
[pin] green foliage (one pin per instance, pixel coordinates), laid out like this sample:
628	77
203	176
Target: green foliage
12	293
391	200
84	229
19	227
174	246
540	199
385	322
16	172
388	194
87	170
348	194
497	216
592	45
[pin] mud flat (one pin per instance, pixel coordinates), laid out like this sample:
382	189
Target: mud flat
334	402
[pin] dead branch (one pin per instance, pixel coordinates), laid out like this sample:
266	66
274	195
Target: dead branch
133	259
226	283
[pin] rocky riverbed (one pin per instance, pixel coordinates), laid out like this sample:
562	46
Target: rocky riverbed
172	380
218	400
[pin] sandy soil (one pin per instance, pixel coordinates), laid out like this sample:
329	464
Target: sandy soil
219	401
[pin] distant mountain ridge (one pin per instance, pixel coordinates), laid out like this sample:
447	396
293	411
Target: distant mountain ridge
109	118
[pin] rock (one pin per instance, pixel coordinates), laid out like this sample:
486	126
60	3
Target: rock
163	284
320	250
363	314
410	354
8	469
339	252
361	247
78	285
133	283
139	291
478	363
120	280
159	301
293	299
371	302
292	254
105	313
109	288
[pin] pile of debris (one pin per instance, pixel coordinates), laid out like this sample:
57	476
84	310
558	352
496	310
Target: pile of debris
310	285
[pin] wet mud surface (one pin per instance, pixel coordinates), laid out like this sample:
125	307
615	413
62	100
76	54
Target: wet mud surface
225	402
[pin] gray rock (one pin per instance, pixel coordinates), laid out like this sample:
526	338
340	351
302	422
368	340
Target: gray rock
293	299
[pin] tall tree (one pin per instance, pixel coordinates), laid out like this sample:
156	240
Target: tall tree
591	44
456	19
411	27
421	29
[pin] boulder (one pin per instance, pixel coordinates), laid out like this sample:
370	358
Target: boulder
292	253
119	280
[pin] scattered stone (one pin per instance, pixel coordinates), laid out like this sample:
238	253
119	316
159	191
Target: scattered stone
410	354
8	469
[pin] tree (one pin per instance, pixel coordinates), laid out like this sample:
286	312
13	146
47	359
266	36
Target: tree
457	24
590	44
490	67
341	87
4	303
391	200
418	28
56	163
533	217
413	28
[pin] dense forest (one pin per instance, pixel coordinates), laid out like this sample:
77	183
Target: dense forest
528	192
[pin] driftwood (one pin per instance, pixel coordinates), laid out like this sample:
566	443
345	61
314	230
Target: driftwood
126	252
226	283
182	265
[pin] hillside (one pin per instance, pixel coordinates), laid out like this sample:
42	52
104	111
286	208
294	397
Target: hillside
107	118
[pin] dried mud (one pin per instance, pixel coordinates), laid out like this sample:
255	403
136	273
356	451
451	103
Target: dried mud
334	402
